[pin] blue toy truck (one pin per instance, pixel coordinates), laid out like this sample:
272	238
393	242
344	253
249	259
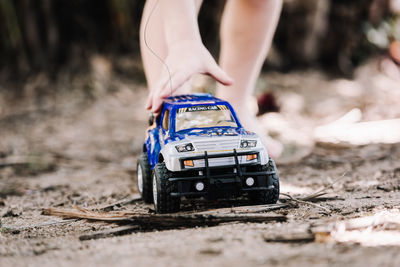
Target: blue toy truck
197	147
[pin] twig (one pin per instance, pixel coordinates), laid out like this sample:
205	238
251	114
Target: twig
106	233
246	209
82	213
291	238
164	221
13	162
315	196
320	198
323	189
123	202
306	202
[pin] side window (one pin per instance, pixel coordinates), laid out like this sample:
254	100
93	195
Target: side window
165	123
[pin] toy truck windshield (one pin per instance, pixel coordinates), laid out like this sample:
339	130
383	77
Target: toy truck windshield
204	116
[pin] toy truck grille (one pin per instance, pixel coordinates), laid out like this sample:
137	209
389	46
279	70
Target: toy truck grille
215	162
208	145
226	159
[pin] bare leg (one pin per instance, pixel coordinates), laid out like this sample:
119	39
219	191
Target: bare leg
247	30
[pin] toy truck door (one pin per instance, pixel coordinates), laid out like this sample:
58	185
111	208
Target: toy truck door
157	135
165	121
153	143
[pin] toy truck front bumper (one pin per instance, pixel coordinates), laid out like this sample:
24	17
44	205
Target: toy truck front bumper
221	180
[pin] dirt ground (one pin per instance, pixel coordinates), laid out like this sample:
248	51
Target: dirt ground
79	148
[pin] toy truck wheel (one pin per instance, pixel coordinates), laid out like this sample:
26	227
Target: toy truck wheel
162	188
144	178
271	196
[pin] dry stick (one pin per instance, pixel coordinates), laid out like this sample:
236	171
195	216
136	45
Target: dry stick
12	163
82	213
306	202
246	209
106	233
323	189
291	238
268	207
206	217
314	196
320	198
154	221
151	222
175	221
122	202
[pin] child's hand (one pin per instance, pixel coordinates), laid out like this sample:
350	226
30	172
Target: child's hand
184	60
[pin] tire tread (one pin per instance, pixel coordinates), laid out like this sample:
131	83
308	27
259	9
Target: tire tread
147	194
166	202
268	197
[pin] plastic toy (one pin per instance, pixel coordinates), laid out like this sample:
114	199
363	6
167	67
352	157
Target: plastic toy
197	147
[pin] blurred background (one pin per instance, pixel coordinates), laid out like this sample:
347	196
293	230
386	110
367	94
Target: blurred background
44	35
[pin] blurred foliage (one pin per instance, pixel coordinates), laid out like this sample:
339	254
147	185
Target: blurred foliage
384	33
41	35
46	35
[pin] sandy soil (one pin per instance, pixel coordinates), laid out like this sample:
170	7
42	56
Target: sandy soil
80	148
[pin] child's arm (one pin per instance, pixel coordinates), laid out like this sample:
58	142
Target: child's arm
186	54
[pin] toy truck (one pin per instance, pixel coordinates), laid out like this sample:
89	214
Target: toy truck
196	147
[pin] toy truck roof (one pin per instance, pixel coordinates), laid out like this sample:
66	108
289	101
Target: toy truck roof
174	103
192	99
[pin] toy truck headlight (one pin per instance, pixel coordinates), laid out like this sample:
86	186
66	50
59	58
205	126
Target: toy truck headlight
248	143
185	147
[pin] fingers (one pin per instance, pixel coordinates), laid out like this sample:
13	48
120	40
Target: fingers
168	87
201	62
177	80
163	90
156	105
218	74
155	92
149	101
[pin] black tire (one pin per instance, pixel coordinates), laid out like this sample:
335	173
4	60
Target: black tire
163	201
271	196
147	190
